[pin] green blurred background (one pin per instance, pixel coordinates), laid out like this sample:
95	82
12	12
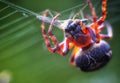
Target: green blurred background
23	53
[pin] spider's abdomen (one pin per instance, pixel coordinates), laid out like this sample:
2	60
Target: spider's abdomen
93	57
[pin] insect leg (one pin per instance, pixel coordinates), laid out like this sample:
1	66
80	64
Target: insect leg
109	34
92	11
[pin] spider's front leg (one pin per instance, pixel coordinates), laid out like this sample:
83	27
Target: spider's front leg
61	48
46	38
65	46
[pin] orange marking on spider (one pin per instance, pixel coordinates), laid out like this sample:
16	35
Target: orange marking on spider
90	52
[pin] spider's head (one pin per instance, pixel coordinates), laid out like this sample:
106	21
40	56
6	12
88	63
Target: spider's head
75	28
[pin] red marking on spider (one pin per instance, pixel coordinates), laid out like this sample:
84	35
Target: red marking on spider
90	52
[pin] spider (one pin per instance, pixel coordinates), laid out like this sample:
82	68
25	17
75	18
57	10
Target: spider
90	51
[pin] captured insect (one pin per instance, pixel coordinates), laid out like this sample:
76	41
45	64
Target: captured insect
90	51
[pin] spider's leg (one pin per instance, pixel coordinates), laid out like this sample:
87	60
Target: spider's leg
74	54
61	48
65	46
92	34
46	38
102	18
94	25
53	38
92	11
51	35
104	14
97	23
109	32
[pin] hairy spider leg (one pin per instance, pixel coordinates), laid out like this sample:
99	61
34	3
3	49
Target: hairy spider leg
94	19
46	38
62	48
98	22
104	14
65	46
102	18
